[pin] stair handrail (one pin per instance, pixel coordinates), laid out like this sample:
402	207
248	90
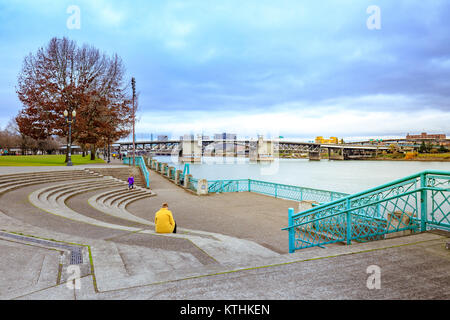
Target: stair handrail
343	209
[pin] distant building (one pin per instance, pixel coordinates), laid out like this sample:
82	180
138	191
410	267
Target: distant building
425	136
225	136
163	138
187	137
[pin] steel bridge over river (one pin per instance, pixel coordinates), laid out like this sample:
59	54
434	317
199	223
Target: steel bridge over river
257	150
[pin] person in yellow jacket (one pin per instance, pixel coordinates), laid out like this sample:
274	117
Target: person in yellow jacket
164	222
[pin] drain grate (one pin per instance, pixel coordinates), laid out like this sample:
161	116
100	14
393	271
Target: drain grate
76	254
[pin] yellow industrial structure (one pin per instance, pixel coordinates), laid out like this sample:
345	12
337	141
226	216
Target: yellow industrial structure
332	140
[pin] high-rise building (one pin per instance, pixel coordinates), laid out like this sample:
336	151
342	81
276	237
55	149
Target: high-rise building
163	138
225	136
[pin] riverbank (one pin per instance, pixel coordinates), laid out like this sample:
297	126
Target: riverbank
440	157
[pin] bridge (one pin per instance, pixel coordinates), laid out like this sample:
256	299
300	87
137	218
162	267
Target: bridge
256	150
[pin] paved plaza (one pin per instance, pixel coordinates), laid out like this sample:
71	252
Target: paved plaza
229	246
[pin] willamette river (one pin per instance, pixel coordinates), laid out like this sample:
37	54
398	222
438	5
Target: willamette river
342	176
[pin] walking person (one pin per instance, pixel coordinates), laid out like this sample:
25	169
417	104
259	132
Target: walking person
164	222
130	182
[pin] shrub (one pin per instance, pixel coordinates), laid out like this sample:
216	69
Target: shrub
410	155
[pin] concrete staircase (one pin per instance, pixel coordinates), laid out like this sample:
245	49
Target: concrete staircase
120	265
122	174
13	181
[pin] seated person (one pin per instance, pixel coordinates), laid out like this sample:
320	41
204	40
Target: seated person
164	222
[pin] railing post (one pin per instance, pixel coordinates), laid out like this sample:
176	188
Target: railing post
423	203
276	190
291	231
249	181
349	224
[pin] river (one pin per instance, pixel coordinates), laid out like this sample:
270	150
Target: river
342	176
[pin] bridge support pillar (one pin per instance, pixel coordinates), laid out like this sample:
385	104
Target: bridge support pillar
314	155
191	151
336	154
264	150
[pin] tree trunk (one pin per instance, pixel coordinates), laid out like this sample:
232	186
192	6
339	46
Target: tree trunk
92	152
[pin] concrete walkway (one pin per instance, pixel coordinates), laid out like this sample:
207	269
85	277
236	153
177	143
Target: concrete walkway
119	263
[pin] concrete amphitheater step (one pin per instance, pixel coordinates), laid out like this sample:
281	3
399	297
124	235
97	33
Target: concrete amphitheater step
12	179
62	196
221	248
102	202
123	196
54	191
43	173
122	174
60	209
56	196
22	183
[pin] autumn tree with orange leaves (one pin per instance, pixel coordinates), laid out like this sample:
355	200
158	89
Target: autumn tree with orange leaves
63	76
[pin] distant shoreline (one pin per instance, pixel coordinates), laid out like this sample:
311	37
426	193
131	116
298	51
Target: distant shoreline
383	159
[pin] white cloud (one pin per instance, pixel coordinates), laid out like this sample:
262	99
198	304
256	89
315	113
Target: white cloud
317	120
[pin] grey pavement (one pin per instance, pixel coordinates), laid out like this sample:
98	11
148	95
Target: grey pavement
230	247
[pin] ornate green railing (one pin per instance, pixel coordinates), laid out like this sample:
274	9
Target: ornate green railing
273	189
139	161
415	203
192	184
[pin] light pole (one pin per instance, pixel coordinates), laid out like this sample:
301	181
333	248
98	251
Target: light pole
133	86
69	146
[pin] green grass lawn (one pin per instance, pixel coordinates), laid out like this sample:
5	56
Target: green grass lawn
45	160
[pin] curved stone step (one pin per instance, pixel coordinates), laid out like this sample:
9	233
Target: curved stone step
42	173
222	248
108	201
53	190
113	211
131	194
16	180
29	183
124	201
59	208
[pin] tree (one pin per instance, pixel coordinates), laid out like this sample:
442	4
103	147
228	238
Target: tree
442	149
63	76
423	147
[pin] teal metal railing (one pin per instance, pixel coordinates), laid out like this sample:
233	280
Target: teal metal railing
273	189
140	162
415	203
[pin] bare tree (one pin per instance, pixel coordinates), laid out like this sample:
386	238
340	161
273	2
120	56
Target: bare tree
63	76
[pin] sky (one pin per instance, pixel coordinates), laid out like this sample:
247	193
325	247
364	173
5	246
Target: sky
353	69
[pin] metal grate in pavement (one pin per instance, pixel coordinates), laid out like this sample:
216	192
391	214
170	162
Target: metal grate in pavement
76	255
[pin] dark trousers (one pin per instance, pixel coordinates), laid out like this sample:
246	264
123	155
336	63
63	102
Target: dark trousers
175	228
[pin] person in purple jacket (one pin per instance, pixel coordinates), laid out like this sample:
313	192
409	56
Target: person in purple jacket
130	182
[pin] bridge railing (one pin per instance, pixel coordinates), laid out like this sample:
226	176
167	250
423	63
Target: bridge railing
140	162
414	203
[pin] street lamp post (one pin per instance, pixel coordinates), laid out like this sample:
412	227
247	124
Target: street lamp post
69	146
133	86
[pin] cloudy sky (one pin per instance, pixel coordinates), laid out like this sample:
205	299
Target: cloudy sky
295	68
